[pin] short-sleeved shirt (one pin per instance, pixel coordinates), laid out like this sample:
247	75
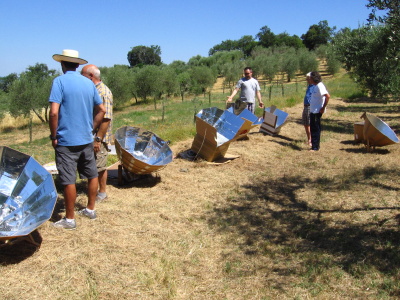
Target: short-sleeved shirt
107	97
248	89
317	99
307	97
77	97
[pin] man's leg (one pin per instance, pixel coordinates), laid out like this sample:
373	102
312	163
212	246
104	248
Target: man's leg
102	181
308	132
70	198
93	185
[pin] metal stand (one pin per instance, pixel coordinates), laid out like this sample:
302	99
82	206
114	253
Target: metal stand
11	241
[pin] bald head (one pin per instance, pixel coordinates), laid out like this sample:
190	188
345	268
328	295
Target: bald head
91	72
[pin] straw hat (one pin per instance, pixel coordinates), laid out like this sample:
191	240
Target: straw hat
69	55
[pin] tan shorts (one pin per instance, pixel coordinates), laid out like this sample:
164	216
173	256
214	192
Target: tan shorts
101	158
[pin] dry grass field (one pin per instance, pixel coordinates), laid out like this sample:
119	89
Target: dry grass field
279	222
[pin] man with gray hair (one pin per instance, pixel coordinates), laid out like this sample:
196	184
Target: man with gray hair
103	134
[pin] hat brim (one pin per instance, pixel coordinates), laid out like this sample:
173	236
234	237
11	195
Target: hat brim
60	58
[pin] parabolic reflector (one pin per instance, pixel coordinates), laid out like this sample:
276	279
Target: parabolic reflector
141	151
378	133
27	194
215	129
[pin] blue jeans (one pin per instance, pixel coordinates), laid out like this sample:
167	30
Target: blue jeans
315	127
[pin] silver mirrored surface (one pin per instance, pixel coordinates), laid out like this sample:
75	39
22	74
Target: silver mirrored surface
282	116
226	123
382	127
27	194
144	145
248	115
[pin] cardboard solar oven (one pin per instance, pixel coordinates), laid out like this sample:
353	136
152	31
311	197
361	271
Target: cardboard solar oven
141	151
359	132
377	133
215	130
27	194
274	119
250	121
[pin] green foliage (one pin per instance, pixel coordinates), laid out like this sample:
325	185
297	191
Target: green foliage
317	34
179	66
307	60
169	82
245	44
290	64
369	54
345	87
3	103
391	18
183	80
119	80
143	55
202	78
5	82
30	92
147	81
266	37
284	39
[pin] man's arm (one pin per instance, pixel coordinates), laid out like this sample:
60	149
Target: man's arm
327	97
260	103
99	112
233	94
101	133
53	121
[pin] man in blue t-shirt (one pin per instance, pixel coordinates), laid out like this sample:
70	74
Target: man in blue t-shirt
306	110
75	109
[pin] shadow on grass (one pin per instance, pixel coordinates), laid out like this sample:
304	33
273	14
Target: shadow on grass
19	249
269	216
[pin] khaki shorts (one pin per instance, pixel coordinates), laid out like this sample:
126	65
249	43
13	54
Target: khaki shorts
101	158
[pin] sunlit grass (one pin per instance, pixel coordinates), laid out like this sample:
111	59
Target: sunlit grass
174	120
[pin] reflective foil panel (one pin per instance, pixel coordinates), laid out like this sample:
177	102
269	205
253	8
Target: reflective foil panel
27	194
215	129
274	119
251	120
378	133
141	151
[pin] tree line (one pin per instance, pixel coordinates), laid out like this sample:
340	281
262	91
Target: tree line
371	53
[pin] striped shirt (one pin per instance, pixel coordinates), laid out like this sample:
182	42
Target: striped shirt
107	97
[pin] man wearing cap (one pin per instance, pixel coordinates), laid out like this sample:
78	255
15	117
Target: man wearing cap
75	109
103	137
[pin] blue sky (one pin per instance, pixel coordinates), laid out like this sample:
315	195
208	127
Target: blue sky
104	31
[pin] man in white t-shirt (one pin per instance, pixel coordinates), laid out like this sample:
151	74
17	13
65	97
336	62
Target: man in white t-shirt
249	88
318	102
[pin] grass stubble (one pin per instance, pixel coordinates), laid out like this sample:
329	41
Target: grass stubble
277	222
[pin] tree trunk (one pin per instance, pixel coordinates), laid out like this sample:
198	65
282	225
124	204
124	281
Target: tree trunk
30	128
270	92
46	114
163	110
39	116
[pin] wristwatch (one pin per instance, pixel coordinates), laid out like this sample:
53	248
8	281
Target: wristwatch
53	138
97	139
